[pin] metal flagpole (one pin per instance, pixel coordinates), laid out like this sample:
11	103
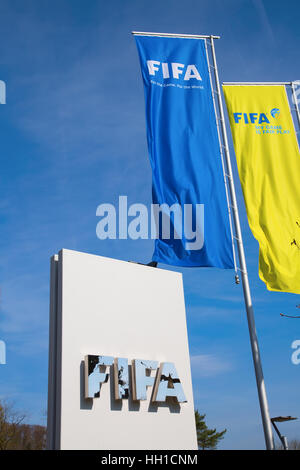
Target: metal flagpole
223	164
172	35
257	83
245	281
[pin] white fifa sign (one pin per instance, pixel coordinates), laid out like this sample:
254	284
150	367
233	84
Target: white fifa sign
111	385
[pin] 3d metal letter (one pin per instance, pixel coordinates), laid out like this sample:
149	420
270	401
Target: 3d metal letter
95	374
141	377
121	378
168	384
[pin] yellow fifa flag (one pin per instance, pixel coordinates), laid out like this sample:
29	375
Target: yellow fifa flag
268	161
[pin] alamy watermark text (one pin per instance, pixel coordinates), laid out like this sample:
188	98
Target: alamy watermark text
166	222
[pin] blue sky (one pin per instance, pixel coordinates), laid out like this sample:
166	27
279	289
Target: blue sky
73	136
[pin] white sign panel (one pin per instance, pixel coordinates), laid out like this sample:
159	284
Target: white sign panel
119	369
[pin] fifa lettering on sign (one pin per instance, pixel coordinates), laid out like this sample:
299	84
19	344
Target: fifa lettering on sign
173	70
253	118
166	383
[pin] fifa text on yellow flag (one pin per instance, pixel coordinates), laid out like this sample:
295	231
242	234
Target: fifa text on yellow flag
268	161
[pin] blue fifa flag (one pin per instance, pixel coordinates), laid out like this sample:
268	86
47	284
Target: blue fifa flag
187	176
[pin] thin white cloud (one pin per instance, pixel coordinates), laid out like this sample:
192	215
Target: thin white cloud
209	365
263	16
